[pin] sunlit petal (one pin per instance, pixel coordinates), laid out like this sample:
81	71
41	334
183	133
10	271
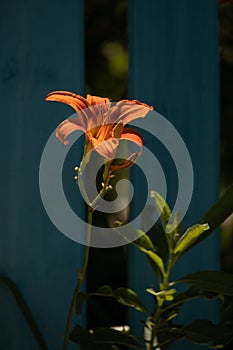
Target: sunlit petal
117	130
106	148
91	110
132	135
96	100
105	131
75	101
128	110
102	122
67	127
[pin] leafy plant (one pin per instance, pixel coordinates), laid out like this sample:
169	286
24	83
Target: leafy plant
205	285
104	125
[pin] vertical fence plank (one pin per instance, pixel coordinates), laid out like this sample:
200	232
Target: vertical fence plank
174	66
42	50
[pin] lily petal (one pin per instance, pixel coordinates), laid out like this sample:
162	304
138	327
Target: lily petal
128	110
76	101
132	135
96	100
117	130
106	148
102	123
91	109
67	127
104	132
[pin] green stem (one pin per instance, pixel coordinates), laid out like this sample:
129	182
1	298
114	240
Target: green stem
106	187
79	180
82	272
178	303
160	301
156	318
81	276
168	272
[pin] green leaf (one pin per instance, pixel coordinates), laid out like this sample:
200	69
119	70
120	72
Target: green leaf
171	338
155	269
157	236
162	208
157	260
111	336
105	290
172	315
169	335
82	336
98	347
124	296
128	297
190	237
102	338
212	281
127	231
167	295
206	333
171	227
190	294
175	226
144	242
219	211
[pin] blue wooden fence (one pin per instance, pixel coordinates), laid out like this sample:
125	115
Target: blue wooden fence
42	50
173	48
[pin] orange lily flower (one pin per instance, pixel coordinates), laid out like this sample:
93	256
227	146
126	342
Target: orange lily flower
102	122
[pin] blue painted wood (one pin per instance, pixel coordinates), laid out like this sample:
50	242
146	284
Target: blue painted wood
42	50
173	48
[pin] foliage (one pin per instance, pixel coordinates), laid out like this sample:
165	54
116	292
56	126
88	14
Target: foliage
161	331
205	285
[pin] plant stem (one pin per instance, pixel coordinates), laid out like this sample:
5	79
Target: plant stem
81	275
106	187
82	272
79	180
156	318
160	300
